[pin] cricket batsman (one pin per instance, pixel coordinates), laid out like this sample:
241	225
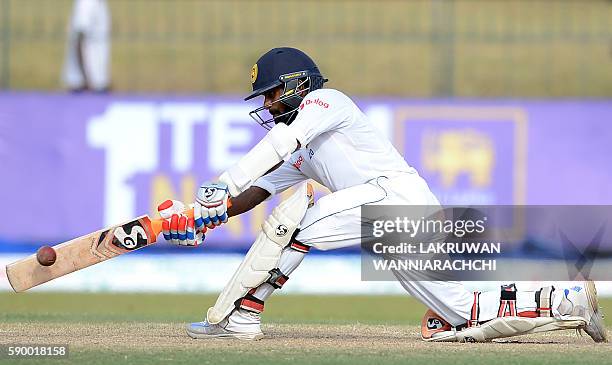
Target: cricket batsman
320	134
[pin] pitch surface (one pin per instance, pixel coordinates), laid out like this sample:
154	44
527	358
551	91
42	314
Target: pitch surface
131	328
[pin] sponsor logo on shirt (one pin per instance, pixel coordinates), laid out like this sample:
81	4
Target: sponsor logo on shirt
316	101
297	164
310	153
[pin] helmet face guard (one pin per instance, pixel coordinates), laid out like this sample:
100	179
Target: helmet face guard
291	97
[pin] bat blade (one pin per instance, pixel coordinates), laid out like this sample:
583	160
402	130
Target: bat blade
84	251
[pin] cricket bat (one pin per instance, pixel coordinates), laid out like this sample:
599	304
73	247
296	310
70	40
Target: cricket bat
85	251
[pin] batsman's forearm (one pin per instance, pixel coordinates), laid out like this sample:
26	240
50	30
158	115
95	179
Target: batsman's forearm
247	200
278	145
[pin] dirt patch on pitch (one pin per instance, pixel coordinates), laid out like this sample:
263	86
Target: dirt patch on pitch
279	338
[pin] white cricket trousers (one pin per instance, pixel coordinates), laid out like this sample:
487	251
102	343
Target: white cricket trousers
335	221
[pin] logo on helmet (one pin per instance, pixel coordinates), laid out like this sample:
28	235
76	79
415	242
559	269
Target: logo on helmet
254	74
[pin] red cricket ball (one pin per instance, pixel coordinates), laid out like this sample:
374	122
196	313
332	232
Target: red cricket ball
46	256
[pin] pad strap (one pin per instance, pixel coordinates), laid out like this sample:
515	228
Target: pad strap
475	312
250	303
507	301
277	278
543	299
299	247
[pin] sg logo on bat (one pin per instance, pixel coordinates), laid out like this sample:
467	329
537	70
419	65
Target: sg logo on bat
130	241
116	241
130	236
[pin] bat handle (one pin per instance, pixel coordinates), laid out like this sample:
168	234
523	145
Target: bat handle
156	224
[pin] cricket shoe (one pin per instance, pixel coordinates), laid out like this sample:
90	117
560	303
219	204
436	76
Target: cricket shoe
241	324
581	301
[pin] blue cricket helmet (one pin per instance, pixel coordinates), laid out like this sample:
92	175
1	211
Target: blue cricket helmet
278	66
291	68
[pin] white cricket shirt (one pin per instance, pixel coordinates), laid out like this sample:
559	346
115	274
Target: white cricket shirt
340	148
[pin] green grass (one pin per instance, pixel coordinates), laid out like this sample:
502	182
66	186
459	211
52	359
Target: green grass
410	48
81	307
308	309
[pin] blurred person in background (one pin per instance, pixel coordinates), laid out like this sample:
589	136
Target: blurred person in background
86	65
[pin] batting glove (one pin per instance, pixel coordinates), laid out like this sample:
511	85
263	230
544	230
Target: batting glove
212	201
177	227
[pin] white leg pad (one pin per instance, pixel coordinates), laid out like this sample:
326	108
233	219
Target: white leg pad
507	327
265	253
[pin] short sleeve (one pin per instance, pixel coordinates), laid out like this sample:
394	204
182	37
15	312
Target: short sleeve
321	111
280	179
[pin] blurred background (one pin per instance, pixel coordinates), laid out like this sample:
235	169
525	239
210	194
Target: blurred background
109	107
390	48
